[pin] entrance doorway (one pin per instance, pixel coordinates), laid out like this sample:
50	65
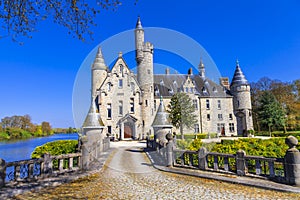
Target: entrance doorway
128	130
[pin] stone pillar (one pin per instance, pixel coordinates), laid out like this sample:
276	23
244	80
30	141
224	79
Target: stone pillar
170	144
85	153
2	172
47	168
240	163
202	162
292	162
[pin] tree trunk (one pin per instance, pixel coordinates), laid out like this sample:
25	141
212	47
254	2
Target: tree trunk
181	132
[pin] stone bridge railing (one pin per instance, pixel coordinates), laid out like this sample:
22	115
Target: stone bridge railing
33	169
283	170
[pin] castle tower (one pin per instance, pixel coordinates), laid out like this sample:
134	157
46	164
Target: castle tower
144	61
240	89
99	72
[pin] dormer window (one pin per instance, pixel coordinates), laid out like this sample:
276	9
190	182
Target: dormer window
214	89
175	84
161	82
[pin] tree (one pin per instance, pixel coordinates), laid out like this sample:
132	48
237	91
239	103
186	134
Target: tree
20	18
270	112
46	128
181	111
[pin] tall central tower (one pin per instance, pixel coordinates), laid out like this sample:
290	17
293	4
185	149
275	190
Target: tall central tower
144	62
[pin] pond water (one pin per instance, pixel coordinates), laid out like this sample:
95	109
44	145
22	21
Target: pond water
22	149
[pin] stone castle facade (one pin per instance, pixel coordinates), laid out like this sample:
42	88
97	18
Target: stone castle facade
128	102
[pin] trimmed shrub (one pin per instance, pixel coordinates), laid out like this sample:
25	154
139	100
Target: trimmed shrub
58	147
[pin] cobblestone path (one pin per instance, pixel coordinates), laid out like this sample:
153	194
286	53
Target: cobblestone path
128	174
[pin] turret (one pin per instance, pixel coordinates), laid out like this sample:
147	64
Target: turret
139	41
99	72
201	69
240	89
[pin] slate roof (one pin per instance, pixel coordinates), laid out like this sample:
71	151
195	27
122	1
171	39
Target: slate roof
168	84
93	119
161	119
238	77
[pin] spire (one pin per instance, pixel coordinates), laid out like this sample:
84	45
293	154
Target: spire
99	61
138	24
161	119
93	119
238	77
201	68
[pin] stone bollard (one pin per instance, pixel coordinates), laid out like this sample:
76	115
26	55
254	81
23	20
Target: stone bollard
170	144
202	162
2	172
85	153
240	163
292	162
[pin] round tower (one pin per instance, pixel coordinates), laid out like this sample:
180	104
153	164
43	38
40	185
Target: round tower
99	72
240	89
144	61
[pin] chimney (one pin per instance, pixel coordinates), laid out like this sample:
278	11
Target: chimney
167	71
190	71
224	81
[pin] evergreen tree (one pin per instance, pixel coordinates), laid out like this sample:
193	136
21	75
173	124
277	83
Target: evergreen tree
181	111
270	112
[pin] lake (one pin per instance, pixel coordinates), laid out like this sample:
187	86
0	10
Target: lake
22	149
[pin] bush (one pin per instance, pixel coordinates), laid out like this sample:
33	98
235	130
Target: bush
4	136
182	144
58	147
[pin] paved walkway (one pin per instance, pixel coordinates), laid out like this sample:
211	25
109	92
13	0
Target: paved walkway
128	174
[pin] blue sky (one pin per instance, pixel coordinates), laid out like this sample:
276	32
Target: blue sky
37	78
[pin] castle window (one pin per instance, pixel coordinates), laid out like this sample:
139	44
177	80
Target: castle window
132	105
108	87
238	104
207	104
192	90
221	128
186	89
208	117
231	127
219	104
121	108
195	103
109	110
146	102
220	117
122	70
109	130
230	116
148	71
120	83
196	128
154	104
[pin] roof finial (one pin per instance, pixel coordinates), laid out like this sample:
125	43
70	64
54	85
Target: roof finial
237	63
139	23
201	68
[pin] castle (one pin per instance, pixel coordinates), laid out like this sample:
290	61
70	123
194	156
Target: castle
128	102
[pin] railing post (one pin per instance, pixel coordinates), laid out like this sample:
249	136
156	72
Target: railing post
2	172
47	167
240	163
271	168
292	162
216	163
202	162
170	144
61	164
70	163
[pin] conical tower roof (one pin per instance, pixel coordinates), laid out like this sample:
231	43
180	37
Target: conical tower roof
138	24
93	119
99	61
161	119
238	77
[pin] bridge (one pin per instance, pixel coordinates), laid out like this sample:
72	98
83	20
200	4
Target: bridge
131	171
